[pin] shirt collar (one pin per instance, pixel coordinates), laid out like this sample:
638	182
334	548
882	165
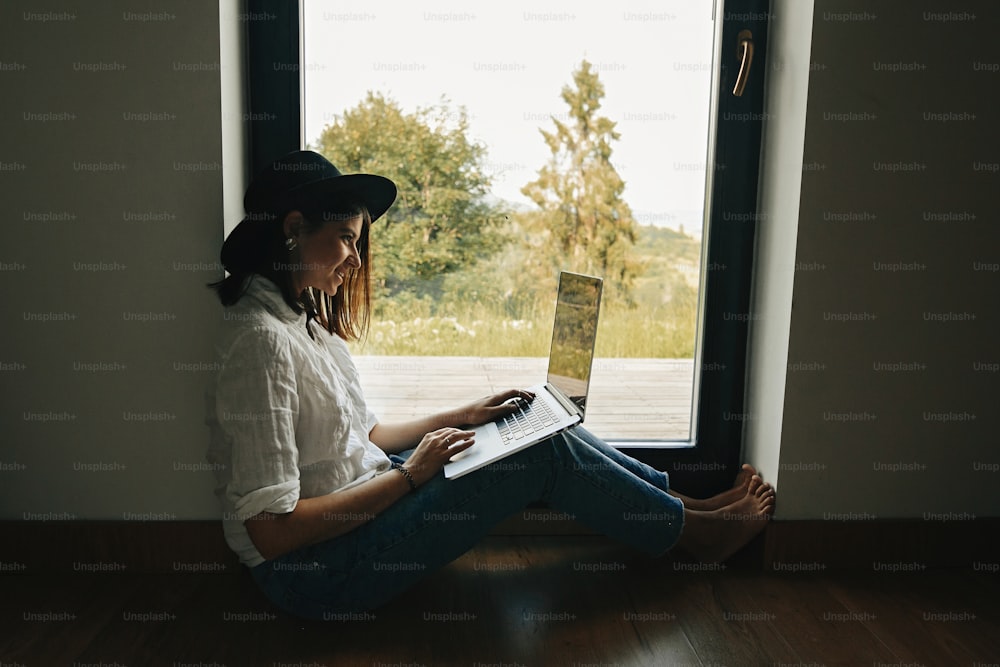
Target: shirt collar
267	294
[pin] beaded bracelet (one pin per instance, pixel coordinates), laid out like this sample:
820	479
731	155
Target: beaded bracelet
406	474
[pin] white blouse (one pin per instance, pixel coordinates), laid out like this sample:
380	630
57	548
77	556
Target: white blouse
287	416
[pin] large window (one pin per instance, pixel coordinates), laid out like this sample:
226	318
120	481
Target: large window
527	139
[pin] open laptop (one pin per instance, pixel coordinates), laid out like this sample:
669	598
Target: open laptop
559	403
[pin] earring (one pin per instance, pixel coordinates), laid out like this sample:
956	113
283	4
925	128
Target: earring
290	243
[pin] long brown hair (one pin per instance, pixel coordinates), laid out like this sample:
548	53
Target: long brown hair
346	314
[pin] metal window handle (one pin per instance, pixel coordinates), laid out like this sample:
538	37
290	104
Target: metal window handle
744	46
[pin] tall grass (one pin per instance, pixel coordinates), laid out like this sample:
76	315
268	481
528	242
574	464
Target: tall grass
426	328
503	306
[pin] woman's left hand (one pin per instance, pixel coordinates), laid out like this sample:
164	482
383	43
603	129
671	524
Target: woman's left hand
491	407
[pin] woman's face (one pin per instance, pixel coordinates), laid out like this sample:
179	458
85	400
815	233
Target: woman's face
326	255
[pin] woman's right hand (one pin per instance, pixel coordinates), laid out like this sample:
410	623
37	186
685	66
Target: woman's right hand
434	450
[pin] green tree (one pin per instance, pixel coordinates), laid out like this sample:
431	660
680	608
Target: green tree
582	215
441	221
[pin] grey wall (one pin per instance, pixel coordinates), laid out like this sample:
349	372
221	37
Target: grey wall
892	377
111	197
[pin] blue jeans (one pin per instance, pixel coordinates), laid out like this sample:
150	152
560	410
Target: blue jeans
573	472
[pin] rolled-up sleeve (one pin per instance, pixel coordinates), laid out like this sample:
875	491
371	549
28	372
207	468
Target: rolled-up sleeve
257	408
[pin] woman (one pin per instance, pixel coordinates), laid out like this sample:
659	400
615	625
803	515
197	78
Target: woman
335	512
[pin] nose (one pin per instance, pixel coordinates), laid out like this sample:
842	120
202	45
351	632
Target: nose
354	259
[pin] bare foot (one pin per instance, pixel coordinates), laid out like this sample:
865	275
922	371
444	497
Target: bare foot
727	497
715	535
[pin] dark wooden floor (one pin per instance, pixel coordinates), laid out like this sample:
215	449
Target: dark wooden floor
524	601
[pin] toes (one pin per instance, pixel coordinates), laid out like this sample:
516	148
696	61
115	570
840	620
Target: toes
742	478
755	483
767	502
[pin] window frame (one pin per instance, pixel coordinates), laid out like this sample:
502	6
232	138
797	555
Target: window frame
708	462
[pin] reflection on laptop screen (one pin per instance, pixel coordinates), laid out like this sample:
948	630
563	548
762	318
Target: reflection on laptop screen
573	335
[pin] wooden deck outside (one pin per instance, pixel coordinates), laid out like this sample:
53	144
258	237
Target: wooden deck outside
630	399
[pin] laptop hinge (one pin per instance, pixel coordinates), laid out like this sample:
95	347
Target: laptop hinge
569	405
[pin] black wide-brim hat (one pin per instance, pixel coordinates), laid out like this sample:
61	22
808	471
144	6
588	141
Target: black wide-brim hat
304	181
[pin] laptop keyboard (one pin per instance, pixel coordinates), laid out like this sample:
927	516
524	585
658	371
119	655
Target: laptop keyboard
526	421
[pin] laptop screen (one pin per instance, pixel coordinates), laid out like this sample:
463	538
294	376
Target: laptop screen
573	335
